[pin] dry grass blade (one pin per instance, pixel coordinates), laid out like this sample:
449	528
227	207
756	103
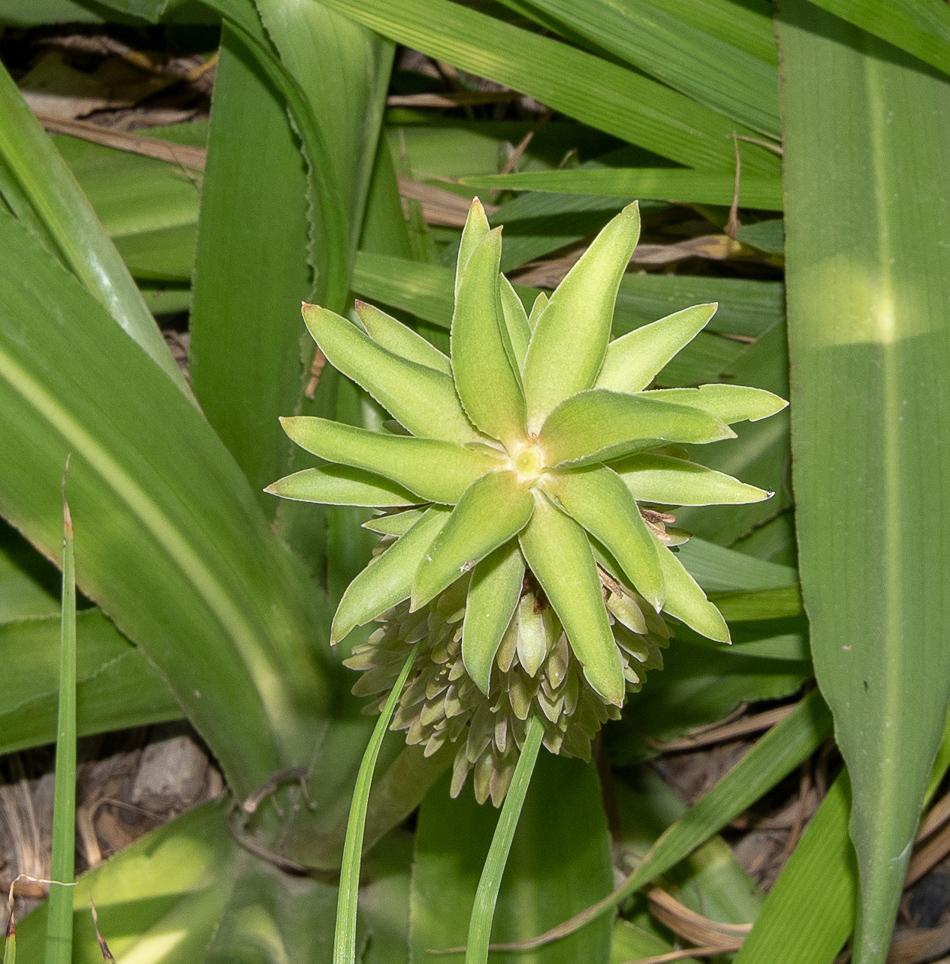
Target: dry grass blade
708	736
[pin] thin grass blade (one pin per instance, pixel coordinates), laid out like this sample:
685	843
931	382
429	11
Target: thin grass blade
59	922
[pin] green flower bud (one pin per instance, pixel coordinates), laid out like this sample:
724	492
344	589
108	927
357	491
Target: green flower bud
520	541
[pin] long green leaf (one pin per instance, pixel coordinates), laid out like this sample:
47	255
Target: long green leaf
40	191
868	251
178	554
921	27
664	41
679	185
618	101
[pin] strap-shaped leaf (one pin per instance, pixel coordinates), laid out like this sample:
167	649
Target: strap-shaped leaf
516	321
492	598
341	485
598	425
687	602
731	403
670	481
476	227
635	359
558	553
387	580
597	498
401	339
423	400
493	509
486	376
569	343
435	470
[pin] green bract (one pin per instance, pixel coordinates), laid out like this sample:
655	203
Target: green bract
516	541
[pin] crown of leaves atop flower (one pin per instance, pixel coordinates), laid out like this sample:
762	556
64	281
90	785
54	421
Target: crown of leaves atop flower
529	447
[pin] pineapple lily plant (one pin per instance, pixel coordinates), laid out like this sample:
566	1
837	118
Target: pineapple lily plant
523	486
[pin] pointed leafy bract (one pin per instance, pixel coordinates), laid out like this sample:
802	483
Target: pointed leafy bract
537	309
487	380
492	598
557	550
569	343
396	523
516	321
388	579
493	509
476	227
687	602
400	339
670	481
341	485
422	399
437	471
635	359
598	425
597	498
731	403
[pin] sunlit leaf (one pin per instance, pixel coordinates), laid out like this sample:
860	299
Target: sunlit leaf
341	485
597	425
557	550
570	338
491	511
435	470
731	403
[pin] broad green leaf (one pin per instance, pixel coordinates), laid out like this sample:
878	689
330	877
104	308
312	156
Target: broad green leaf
436	471
250	264
570	339
597	498
868	254
559	555
687	602
635	359
760	604
678	185
492	598
116	687
41	193
485	371
493	509
598	425
731	403
388	579
921	27
670	481
776	754
159	900
341	485
420	398
516	321
204	587
810	911
396	337
621	102
476	228
452	842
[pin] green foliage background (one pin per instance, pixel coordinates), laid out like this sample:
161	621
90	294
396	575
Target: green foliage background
213	601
